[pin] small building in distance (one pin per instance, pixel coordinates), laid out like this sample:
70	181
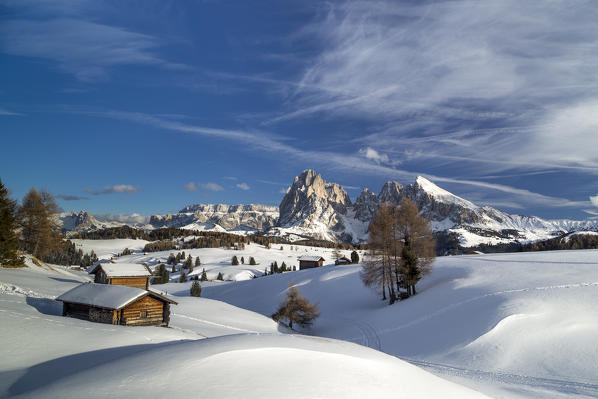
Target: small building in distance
308	262
116	304
342	261
128	274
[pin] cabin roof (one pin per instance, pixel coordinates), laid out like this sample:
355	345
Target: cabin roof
311	258
121	270
108	296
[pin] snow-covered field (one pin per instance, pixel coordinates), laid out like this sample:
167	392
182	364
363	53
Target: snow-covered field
509	325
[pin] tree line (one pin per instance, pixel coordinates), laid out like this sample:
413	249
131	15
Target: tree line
32	228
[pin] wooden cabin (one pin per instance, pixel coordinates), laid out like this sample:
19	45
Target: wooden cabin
116	304
128	274
342	261
309	262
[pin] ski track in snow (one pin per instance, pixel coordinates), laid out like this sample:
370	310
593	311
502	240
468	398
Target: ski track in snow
12	289
477	298
368	334
215	324
564	386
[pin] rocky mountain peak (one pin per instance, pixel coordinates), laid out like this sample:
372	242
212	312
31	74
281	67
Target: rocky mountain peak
391	192
365	205
311	199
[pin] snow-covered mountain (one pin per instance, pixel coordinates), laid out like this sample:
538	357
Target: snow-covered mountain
316	209
76	222
219	217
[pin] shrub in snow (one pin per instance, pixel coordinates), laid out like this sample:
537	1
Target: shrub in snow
296	309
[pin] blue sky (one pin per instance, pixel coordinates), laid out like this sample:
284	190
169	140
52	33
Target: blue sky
147	106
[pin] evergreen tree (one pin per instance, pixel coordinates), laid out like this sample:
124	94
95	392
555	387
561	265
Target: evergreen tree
296	309
9	242
204	276
182	277
242	260
354	257
252	261
189	264
283	267
220	277
171	259
195	289
197	261
235	261
173	269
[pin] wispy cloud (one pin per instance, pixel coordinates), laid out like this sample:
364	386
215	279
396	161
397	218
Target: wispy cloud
118	188
76	41
243	186
211	186
190	186
594	200
444	75
5	112
346	163
66	197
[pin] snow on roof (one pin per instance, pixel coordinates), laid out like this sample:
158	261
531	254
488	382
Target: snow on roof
102	295
107	296
122	270
310	258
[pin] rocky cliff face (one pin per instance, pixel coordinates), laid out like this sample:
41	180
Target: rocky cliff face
258	217
312	201
365	205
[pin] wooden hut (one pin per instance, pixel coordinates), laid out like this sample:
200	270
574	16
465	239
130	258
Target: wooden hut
342	261
308	262
116	304
129	274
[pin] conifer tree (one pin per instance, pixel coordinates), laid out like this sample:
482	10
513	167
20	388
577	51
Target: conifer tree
9	243
252	261
242	260
354	257
204	276
283	267
173	269
182	277
189	263
235	261
220	277
296	309
195	289
197	261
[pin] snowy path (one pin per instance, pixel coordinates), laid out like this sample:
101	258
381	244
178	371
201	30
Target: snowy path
563	386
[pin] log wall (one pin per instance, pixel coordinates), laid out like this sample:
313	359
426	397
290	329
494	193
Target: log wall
146	311
137	282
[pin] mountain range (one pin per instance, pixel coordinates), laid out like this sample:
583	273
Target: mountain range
316	209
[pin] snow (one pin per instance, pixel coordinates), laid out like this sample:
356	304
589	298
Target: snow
310	258
102	295
106	249
518	325
441	194
248	366
122	269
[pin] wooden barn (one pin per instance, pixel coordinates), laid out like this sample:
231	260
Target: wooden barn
116	304
129	274
308	262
